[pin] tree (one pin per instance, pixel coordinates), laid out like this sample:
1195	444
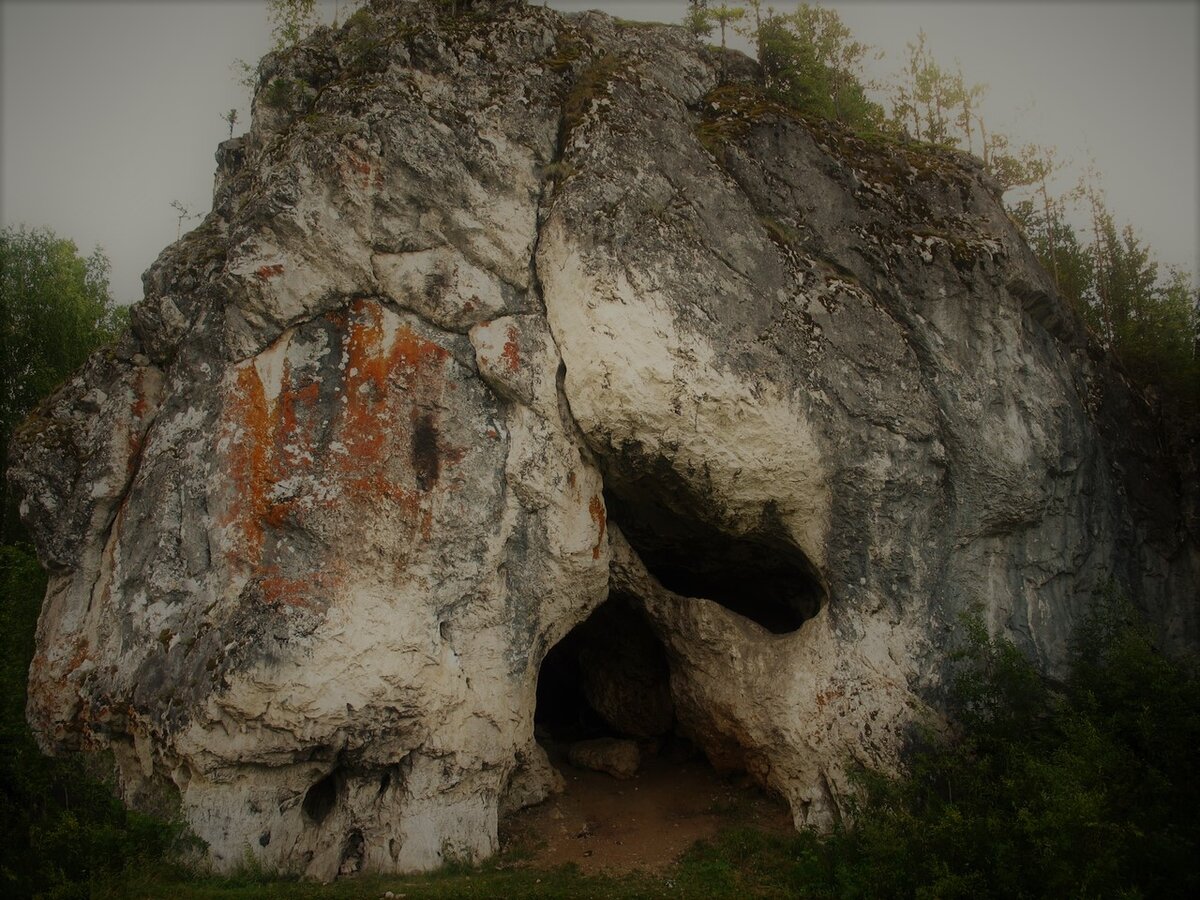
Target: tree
905	105
1082	787
930	101
231	117
1149	321
968	98
55	308
698	20
811	62
291	20
935	92
183	213
725	15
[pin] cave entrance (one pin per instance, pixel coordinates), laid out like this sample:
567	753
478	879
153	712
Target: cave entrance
607	683
607	678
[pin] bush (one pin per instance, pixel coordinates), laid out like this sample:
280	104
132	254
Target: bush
60	829
1077	789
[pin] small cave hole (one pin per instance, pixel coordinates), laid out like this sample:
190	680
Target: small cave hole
354	851
760	576
320	799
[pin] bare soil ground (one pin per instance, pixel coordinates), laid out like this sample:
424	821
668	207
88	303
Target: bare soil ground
645	823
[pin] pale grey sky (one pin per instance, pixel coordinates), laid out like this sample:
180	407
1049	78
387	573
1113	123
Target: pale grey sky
110	109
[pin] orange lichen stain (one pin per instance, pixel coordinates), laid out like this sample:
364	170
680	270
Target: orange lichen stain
137	423
356	169
596	508
298	592
366	372
381	410
389	393
512	350
266	273
78	657
824	698
293	441
140	401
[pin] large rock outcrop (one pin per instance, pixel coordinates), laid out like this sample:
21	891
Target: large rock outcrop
497	314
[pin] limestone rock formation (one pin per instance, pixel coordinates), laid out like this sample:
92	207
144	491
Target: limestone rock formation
618	757
497	314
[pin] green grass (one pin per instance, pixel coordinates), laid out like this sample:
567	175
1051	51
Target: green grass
740	863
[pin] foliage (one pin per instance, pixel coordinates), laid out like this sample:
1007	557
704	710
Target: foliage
60	829
55	309
280	93
231	119
1149	319
291	21
811	63
697	19
1077	789
723	17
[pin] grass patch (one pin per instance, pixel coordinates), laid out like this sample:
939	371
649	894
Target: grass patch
591	86
495	879
567	51
729	111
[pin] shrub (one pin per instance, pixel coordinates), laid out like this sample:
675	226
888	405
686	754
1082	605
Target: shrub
1077	789
60	828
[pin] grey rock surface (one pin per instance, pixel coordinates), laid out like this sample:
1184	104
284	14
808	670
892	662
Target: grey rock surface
495	315
613	756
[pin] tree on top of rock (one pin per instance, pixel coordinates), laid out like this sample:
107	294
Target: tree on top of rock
55	309
291	20
811	62
725	15
698	20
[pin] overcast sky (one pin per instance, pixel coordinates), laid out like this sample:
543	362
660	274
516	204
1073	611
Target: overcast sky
110	109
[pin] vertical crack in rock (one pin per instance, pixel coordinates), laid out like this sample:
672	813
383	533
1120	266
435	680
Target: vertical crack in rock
425	458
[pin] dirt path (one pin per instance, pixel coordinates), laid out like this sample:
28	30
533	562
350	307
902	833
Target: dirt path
646	823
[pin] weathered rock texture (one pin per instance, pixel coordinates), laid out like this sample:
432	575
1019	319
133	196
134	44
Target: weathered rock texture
494	312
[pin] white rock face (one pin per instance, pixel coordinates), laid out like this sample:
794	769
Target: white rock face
484	329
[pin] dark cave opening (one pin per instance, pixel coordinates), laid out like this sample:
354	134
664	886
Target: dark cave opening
606	718
320	799
760	576
608	677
